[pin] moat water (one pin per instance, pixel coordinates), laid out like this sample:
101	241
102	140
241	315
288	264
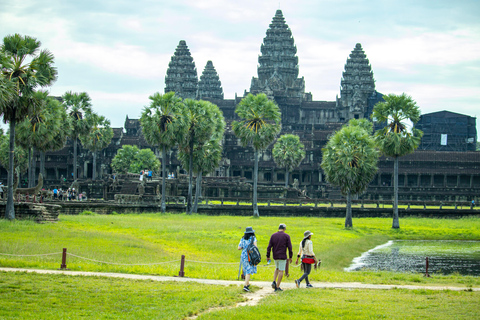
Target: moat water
444	257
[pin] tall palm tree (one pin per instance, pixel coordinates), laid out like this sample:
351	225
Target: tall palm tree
160	125
259	126
202	121
399	137
350	161
26	68
206	157
77	106
98	138
288	152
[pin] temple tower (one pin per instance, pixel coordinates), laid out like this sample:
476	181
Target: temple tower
209	85
181	73
357	86
278	63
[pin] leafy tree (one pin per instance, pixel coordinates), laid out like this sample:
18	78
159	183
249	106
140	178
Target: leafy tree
19	158
399	137
288	152
206	157
78	106
202	121
25	68
350	161
131	159
38	129
160	125
259	126
98	138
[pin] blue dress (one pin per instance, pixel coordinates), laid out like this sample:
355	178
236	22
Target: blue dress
247	267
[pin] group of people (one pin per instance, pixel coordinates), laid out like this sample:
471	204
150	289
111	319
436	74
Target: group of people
279	245
147	173
69	194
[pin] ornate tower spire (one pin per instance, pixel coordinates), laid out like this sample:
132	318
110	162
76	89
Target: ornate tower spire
209	85
357	85
278	63
181	73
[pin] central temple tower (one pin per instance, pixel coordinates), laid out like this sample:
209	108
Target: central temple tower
278	63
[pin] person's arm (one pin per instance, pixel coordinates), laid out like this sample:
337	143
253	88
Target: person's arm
290	250
270	244
239	245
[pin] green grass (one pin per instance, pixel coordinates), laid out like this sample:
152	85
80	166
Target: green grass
359	304
153	244
36	296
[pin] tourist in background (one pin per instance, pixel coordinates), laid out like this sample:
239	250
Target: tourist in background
248	269
305	252
279	244
1	190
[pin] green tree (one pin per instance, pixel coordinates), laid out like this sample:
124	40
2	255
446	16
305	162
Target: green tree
98	138
78	106
25	68
259	126
160	126
37	129
19	158
350	161
131	159
202	121
206	157
399	137
288	152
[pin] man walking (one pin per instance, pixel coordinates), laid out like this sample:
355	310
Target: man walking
279	243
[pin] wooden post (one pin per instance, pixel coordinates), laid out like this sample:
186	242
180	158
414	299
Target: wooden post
182	267
426	268
63	266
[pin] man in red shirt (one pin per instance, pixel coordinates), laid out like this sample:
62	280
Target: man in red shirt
279	243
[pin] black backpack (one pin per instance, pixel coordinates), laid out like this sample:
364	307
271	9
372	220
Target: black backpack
254	256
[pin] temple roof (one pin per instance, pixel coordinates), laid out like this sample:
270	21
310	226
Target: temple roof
181	73
209	84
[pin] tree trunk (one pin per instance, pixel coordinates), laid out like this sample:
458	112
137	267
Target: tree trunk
255	181
30	174
348	217
34	168
198	191
396	223
10	209
94	169
286	177
42	164
190	180
75	159
164	175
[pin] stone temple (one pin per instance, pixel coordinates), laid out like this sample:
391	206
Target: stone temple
442	169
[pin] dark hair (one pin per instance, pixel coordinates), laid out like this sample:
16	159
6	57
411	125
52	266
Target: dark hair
247	236
304	240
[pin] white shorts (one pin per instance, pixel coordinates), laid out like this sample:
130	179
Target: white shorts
280	264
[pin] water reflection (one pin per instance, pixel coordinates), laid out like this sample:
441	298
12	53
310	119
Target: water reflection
444	257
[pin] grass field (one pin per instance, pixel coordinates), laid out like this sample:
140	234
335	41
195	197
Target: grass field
128	243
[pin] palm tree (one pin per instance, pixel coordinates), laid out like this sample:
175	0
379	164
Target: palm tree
350	161
288	152
160	125
399	136
206	157
78	106
98	138
202	121
26	68
259	126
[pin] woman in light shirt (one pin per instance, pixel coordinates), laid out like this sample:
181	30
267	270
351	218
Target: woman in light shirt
308	258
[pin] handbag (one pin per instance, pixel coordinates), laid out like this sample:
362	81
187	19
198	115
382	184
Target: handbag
306	259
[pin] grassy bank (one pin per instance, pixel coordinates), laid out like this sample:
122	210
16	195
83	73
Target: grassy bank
154	243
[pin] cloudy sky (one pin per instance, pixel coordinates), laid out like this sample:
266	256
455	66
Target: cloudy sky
118	51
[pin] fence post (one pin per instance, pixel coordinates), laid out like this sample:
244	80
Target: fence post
426	268
182	267
63	266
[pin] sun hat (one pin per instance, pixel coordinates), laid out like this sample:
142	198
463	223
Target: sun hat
306	234
282	226
249	230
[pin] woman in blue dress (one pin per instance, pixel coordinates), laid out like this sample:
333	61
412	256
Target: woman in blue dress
248	269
